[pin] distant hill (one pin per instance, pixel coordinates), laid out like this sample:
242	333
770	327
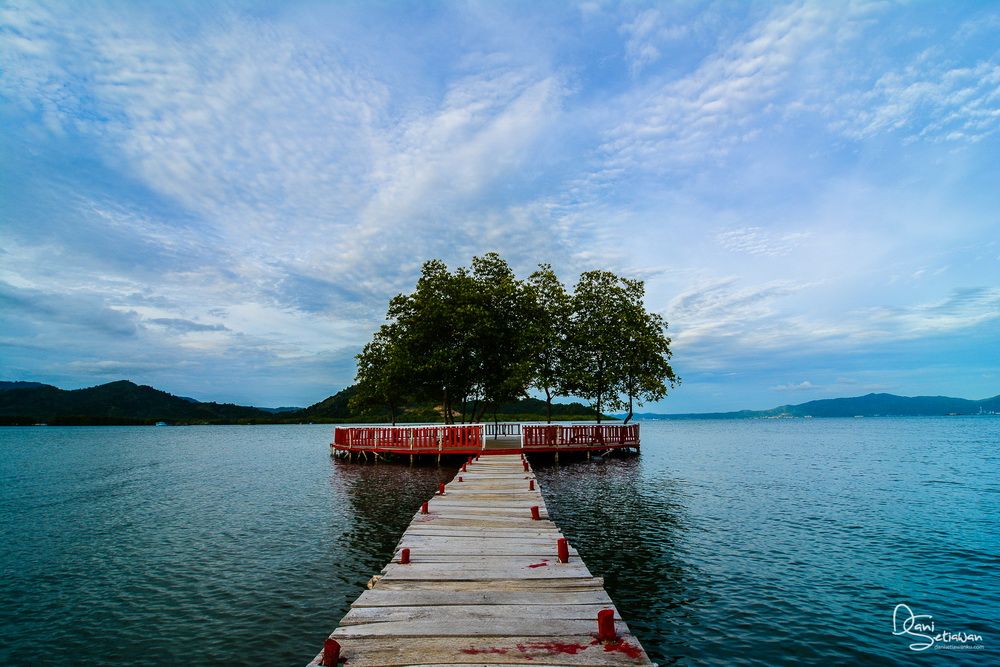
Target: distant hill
124	402
120	402
8	386
336	408
870	405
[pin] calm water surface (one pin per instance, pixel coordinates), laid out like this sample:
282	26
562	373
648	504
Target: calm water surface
746	542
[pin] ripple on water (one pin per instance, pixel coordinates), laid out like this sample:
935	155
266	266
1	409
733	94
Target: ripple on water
724	543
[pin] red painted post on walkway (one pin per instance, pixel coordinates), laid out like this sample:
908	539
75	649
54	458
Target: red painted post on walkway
460	478
331	653
534	513
606	625
464	469
525	466
441	488
531	485
562	546
404	557
423	509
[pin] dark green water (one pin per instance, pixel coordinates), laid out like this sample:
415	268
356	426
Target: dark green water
751	542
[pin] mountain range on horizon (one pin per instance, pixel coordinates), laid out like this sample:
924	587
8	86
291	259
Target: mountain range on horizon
869	405
124	402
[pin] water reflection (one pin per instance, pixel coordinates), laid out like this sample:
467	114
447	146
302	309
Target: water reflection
381	500
631	531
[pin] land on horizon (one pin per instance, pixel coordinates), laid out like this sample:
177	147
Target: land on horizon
126	403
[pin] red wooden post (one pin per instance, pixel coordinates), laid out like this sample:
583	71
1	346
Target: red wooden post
531	485
606	625
464	469
534	513
423	508
525	466
562	546
404	557
441	488
331	652
460	478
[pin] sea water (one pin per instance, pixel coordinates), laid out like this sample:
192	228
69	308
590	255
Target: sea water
725	542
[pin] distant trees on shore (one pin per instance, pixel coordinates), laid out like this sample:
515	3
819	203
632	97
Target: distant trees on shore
479	336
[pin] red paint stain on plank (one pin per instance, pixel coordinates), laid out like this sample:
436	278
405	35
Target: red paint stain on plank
552	647
620	646
544	563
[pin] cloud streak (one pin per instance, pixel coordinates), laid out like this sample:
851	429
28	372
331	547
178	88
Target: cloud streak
238	193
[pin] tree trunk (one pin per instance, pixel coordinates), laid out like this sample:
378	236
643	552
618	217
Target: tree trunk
482	411
629	416
446	407
548	406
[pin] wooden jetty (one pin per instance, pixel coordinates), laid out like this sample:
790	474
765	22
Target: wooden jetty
483	577
474	439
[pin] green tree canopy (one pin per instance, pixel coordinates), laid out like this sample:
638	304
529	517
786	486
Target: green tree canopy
479	337
547	328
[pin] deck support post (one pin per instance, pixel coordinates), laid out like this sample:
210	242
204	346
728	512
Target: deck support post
606	625
562	548
534	513
331	652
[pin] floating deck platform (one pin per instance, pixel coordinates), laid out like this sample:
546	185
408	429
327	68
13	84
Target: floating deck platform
483	577
476	439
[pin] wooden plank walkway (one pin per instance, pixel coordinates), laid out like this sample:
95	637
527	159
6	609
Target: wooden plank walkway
484	586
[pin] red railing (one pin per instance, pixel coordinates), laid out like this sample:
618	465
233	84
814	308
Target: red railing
425	437
462	437
422	438
470	437
581	435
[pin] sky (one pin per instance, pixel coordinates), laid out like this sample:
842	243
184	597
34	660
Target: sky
218	199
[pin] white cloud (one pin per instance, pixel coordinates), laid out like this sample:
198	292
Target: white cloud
757	241
926	100
805	385
253	188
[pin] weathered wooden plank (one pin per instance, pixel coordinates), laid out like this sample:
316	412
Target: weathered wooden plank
475	520
508	511
379	597
482	614
560	584
466	548
470	564
582	649
483	585
507	627
544	568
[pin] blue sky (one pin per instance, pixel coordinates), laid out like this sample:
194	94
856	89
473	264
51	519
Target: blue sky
219	201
